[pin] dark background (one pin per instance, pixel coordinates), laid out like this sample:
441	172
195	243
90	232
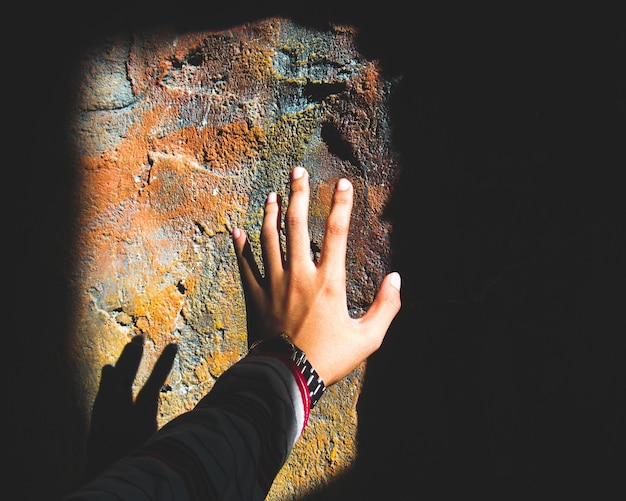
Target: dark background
503	375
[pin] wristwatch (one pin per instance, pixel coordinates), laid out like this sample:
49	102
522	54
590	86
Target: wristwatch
282	344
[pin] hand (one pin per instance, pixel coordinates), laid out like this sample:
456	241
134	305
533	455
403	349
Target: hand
305	299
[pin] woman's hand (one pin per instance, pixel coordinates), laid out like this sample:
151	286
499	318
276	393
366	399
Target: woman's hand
305	299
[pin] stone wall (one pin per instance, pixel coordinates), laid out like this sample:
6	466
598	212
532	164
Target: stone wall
178	137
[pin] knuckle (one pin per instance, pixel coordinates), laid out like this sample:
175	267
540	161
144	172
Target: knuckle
336	227
343	198
293	219
270	210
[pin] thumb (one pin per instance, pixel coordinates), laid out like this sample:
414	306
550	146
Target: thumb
386	305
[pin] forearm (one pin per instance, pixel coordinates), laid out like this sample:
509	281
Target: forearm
230	446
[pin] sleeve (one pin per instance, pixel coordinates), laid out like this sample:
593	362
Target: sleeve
230	446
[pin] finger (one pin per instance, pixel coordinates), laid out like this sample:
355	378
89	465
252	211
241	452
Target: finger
271	248
251	279
248	269
384	308
333	254
296	220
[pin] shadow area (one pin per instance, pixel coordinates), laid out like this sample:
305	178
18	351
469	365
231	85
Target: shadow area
503	375
121	422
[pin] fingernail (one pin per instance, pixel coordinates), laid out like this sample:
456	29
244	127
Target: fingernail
395	280
298	172
271	198
343	184
236	233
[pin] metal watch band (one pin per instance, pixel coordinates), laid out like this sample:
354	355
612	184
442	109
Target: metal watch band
313	380
282	344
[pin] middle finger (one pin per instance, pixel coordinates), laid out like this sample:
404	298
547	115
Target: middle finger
296	220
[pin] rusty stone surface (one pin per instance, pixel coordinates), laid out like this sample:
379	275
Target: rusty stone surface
178	138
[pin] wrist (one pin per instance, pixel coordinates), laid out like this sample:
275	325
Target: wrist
283	346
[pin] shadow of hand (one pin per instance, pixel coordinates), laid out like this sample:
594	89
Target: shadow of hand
119	424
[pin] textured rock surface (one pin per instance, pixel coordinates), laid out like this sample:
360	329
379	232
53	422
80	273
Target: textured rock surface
178	138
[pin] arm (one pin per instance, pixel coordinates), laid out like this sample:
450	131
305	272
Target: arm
234	442
230	446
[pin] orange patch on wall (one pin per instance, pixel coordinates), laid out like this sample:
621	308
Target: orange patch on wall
223	147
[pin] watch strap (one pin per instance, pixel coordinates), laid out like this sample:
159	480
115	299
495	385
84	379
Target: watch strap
313	381
282	344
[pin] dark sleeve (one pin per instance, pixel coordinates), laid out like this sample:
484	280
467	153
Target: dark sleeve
230	446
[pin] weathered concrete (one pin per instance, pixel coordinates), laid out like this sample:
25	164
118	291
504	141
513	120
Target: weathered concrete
178	138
